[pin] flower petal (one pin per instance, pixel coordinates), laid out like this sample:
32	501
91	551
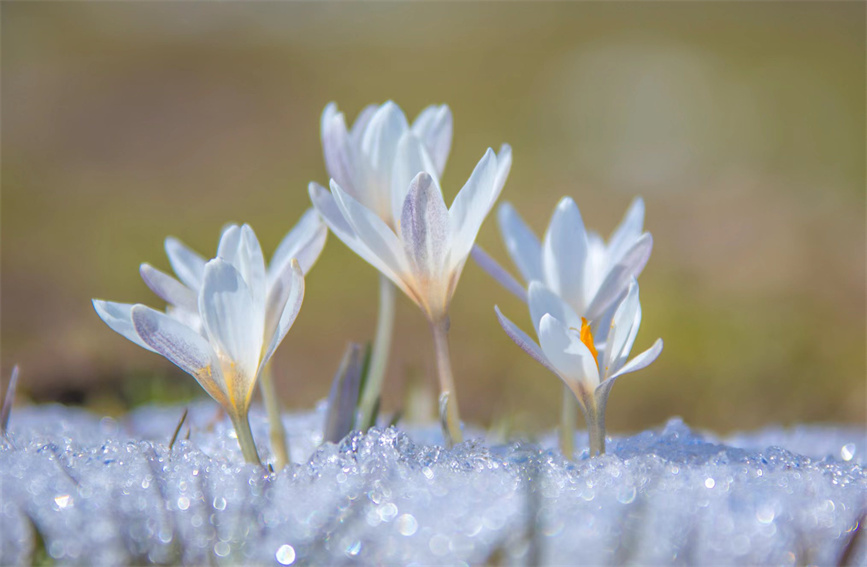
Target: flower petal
424	227
523	340
327	206
284	303
337	148
572	359
229	319
542	300
377	237
360	124
523	245
564	254
628	231
304	243
496	271
168	288
641	360
434	126
240	248
410	159
617	280
624	328
378	147
471	206
188	265
118	316
504	165
183	347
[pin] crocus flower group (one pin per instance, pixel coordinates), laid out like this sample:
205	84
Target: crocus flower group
225	317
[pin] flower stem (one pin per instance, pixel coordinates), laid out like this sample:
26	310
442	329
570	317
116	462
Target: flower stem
245	438
447	382
279	444
595	415
568	419
379	355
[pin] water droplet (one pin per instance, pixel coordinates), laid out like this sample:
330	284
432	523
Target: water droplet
183	503
285	554
847	451
220	503
626	494
63	501
765	514
407	524
353	548
709	483
222	549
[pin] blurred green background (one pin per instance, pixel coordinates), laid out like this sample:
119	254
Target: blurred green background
741	124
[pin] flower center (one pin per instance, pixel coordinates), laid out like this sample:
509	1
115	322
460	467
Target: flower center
587	339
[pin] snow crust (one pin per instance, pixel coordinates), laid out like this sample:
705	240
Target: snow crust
89	490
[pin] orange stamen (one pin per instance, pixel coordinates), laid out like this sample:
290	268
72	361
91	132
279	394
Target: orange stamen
587	339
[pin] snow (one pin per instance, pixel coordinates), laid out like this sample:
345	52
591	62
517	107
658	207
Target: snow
100	491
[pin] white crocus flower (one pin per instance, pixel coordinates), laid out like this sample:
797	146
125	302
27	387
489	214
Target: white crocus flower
425	252
568	349
374	162
304	242
243	320
369	161
578	265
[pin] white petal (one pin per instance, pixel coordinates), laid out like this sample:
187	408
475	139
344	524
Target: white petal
471	206
641	360
329	113
284	305
523	245
617	280
378	146
504	165
624	328
564	254
424	227
332	214
410	159
360	124
523	340
324	203
187	264
596	267
228	317
378	238
240	248
628	231
183	347
340	155
563	348
118	316
542	300
434	126
168	288
304	243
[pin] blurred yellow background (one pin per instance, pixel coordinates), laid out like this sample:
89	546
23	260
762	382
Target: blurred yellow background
741	124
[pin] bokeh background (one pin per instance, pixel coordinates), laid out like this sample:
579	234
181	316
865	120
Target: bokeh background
741	124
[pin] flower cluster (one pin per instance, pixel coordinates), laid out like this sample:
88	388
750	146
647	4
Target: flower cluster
226	316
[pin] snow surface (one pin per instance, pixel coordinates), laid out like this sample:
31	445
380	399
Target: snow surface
89	490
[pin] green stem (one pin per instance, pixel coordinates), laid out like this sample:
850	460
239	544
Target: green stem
245	438
379	355
447	382
568	419
279	443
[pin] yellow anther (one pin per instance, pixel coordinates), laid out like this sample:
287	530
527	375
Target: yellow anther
587	339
